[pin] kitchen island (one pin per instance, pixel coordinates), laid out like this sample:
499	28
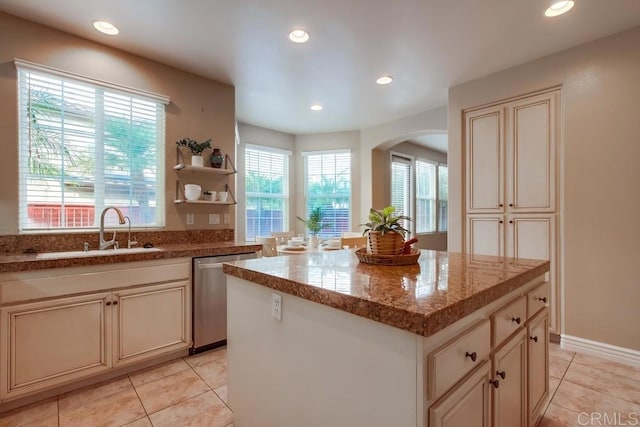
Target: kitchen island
364	345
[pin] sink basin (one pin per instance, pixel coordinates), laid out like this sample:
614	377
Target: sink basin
95	252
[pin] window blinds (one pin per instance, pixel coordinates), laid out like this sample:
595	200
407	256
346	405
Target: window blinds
328	187
443	198
83	147
401	186
425	196
266	189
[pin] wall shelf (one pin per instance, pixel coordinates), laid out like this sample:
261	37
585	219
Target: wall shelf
181	167
202	202
203	169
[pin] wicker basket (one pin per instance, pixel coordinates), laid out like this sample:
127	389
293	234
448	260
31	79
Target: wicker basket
384	244
407	259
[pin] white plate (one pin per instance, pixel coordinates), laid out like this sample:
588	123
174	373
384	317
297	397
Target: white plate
294	248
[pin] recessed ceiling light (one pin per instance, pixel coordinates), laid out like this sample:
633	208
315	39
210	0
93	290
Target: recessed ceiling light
384	80
298	36
106	27
559	7
316	107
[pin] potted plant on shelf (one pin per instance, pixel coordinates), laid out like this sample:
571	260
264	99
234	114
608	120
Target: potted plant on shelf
314	225
385	232
196	149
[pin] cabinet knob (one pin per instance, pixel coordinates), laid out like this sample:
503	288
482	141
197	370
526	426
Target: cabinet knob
473	356
516	319
115	302
544	299
495	383
501	374
501	221
501	205
108	303
510	221
510	205
534	339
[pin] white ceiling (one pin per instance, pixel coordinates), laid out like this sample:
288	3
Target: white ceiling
427	45
435	141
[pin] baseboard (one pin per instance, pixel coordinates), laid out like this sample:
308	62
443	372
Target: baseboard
614	353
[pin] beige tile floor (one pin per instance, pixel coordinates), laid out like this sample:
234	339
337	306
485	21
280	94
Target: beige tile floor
192	391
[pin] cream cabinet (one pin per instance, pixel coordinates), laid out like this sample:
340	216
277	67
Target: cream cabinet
150	321
468	404
511	183
45	343
495	371
509	383
538	365
62	325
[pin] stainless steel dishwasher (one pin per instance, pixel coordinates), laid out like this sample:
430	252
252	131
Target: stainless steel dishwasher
209	301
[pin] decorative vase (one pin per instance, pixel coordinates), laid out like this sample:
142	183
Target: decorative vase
313	242
197	161
216	158
384	244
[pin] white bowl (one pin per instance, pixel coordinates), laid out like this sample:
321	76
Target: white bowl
294	243
192	191
298	238
333	243
223	195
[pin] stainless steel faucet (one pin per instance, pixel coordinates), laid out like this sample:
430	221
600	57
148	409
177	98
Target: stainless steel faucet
105	244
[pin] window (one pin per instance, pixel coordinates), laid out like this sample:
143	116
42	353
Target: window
328	186
266	189
425	196
85	145
401	186
443	198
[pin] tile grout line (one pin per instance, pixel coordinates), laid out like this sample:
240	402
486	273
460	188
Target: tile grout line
139	400
210	388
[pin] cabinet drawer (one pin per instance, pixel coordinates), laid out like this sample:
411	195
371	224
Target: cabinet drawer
508	319
537	299
452	361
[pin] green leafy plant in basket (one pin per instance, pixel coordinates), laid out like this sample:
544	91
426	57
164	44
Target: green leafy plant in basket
383	221
194	146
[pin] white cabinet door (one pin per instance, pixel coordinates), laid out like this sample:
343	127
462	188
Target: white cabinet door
49	343
485	160
467	405
534	236
485	235
531	154
509	376
150	321
538	361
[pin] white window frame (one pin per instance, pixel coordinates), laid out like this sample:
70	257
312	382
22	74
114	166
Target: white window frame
410	161
285	196
305	155
25	68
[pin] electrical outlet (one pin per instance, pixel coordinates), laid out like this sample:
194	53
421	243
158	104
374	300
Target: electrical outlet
276	306
214	218
190	219
227	218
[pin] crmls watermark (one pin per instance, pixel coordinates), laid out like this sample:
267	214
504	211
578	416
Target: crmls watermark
609	419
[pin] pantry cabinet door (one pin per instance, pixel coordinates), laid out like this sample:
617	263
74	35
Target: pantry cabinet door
485	160
531	154
485	235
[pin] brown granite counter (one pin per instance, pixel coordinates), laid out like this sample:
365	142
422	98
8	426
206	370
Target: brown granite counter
423	298
37	261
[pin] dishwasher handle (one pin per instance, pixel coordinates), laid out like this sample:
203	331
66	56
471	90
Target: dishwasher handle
209	266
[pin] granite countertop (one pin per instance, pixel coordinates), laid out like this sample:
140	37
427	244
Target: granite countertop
13	262
423	298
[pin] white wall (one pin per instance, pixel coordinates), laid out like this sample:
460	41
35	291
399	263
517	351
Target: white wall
249	134
601	200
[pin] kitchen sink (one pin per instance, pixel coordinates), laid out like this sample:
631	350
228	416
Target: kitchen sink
95	252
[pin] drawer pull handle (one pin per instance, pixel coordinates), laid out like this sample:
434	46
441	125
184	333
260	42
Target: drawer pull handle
544	299
534	339
516	319
501	374
473	356
108	303
495	383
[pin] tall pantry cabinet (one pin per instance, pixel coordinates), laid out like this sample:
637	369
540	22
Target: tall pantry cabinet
512	183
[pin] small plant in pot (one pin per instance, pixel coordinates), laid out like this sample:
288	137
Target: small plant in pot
314	225
385	232
196	149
